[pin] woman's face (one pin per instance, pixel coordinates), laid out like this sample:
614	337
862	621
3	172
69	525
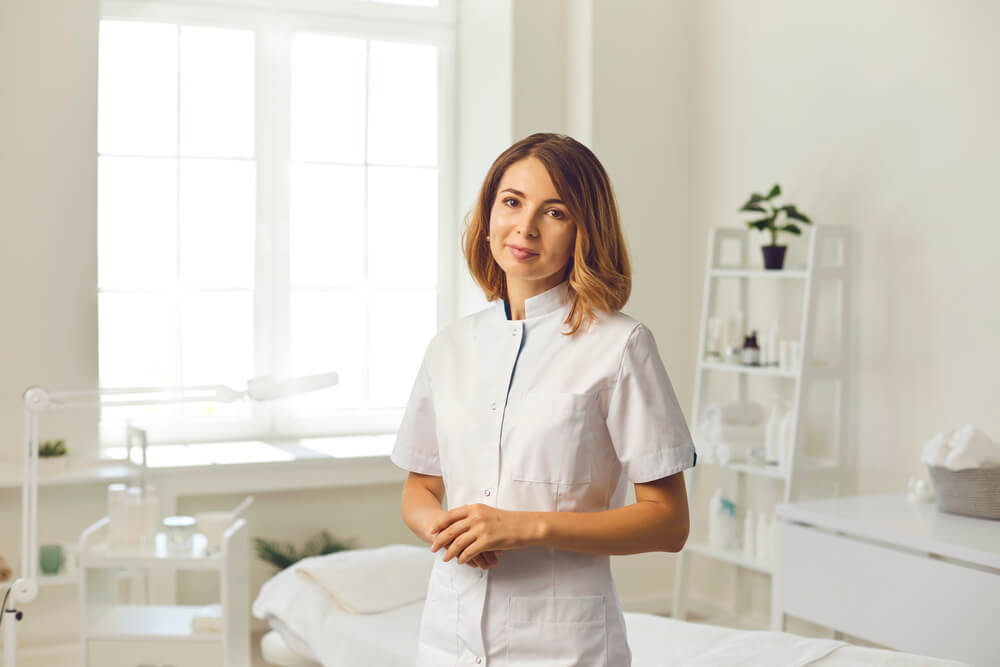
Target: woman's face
528	213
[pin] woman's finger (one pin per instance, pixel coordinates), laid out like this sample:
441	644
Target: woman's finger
458	545
471	549
447	536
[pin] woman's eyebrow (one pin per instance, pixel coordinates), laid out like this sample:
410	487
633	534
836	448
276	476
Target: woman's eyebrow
521	194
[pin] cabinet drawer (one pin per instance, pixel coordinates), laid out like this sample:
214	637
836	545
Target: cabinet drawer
902	599
153	653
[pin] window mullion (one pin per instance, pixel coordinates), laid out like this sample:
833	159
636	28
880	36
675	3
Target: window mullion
281	165
264	151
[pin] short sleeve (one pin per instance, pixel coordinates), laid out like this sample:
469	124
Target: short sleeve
416	447
645	422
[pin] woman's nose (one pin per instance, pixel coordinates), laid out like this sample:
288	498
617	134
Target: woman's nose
528	222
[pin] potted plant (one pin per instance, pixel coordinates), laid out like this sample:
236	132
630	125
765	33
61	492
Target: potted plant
774	254
284	554
51	456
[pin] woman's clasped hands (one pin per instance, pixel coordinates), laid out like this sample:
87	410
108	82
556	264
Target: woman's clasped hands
475	533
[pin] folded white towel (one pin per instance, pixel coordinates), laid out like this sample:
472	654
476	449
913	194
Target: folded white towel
752	434
747	412
207	619
368	581
971	448
936	449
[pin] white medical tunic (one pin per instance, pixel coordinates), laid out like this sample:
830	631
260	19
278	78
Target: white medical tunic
516	415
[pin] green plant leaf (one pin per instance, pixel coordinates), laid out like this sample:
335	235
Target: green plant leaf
284	554
52	448
754	198
795	214
753	207
791	229
279	554
762	224
775	191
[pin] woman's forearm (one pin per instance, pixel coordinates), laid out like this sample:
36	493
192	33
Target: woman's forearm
419	507
637	528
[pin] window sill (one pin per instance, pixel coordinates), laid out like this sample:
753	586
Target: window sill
264	451
249	466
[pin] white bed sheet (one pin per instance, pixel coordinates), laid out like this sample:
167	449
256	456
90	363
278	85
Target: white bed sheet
301	613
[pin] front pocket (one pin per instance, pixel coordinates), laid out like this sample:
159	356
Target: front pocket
557	631
552	438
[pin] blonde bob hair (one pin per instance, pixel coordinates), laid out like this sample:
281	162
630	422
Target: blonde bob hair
599	272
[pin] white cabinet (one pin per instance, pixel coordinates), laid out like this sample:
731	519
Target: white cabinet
904	576
114	634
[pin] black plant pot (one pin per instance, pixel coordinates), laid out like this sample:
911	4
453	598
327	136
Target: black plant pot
774	256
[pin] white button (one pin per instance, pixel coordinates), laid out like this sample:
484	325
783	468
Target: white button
513	333
486	492
493	406
478	660
481	574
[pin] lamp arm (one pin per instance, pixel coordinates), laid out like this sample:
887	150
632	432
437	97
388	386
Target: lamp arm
39	399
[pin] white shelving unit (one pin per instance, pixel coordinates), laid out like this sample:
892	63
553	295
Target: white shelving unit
827	260
124	635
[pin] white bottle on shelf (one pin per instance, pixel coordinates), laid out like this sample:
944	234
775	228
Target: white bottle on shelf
117	515
763	552
785	435
771	436
136	515
749	538
150	517
772	344
715	520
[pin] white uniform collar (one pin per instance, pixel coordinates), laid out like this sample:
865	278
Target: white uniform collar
548	301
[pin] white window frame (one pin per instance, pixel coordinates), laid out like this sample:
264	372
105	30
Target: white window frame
274	22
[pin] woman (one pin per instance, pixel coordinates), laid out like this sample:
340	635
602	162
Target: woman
531	414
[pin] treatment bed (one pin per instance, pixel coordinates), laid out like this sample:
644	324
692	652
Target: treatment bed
311	624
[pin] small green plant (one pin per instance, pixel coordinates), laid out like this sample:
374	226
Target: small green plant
284	554
51	448
761	204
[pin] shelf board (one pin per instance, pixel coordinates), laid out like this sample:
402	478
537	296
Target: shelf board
734	556
806	466
772	471
150	622
772	371
48	580
760	273
75	472
103	555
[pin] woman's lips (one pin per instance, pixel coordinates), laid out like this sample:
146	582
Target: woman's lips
521	254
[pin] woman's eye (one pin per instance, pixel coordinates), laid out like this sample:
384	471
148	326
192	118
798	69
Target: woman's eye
558	214
509	199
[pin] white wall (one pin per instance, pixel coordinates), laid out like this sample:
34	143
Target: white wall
882	116
48	254
48	213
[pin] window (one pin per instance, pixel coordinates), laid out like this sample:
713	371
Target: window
272	177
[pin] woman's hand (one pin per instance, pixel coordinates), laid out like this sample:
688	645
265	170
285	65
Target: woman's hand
485	560
474	533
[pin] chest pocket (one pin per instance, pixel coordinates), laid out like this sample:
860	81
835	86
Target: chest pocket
553	438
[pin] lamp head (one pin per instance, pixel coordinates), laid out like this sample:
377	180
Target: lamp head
36	399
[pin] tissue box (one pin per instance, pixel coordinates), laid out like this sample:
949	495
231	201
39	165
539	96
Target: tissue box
974	492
